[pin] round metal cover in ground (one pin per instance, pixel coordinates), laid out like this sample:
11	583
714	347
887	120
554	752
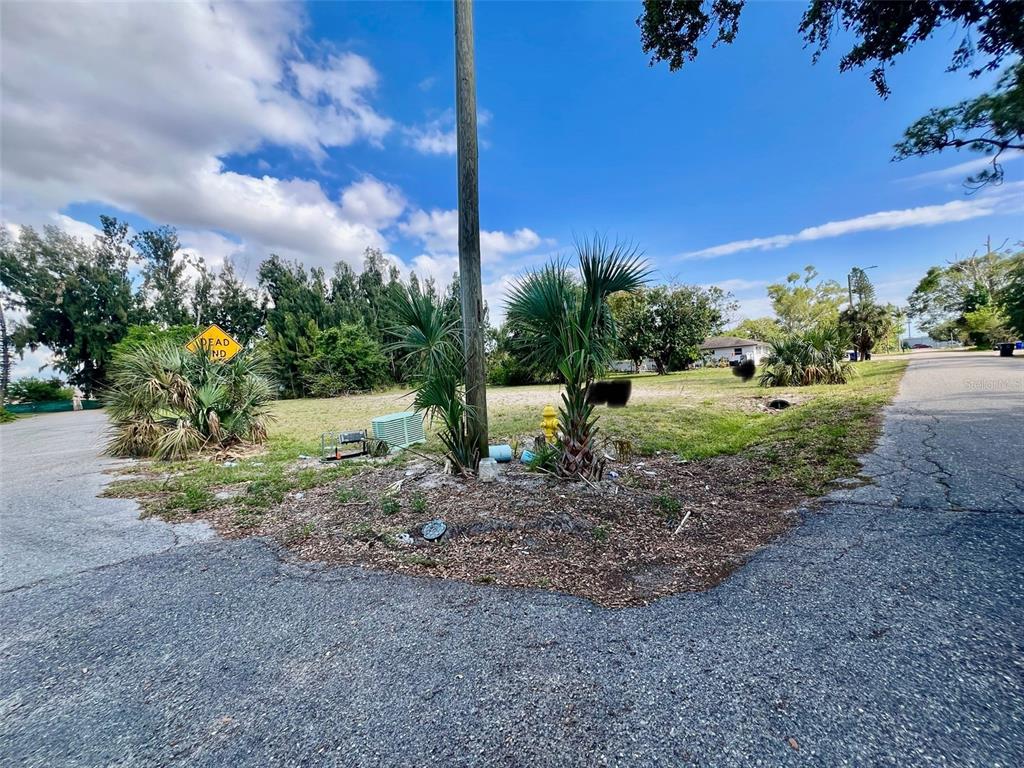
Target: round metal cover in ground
433	530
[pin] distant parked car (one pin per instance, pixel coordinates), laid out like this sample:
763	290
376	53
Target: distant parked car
922	346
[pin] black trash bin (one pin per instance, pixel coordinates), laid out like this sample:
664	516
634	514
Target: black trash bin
853	357
1006	349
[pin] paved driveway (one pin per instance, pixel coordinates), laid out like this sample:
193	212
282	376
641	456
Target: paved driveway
887	629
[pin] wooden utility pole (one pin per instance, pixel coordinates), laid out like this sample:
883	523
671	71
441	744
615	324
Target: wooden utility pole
469	226
5	358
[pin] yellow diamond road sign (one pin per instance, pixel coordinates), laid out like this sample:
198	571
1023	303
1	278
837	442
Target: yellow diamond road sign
218	345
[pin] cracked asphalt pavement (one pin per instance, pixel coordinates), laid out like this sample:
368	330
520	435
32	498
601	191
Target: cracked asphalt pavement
884	630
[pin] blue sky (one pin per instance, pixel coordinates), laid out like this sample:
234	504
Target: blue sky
316	130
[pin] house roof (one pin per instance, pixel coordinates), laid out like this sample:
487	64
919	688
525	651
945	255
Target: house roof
720	342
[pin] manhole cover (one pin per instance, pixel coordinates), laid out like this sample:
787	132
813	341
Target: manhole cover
434	530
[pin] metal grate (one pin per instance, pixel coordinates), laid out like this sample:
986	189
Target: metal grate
399	430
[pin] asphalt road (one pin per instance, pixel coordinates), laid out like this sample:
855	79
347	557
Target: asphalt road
886	630
51	521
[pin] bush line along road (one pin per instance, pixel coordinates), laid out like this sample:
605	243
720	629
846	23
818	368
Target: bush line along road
884	629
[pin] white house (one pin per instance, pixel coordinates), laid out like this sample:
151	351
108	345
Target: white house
626	366
734	350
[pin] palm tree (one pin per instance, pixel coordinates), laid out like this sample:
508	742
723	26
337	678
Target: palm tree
430	338
814	357
565	324
168	403
866	323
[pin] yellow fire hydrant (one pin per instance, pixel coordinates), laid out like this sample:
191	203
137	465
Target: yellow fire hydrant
549	423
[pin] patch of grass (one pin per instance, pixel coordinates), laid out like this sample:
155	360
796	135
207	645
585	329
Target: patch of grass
418	503
813	444
600	534
266	491
424	560
389	505
190	499
363	531
247	517
298	533
692	414
669	506
349	495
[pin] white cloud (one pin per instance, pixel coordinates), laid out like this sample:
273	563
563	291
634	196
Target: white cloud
737	284
961	171
433	138
372	202
438	136
752	307
495	293
440	268
75	227
1004	199
438	231
97	110
344	80
211	247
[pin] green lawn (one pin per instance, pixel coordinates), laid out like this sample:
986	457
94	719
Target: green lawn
695	414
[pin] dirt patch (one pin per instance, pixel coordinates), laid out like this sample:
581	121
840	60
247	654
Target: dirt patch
618	542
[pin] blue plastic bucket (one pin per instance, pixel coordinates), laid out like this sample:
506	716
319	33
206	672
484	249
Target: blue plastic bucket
500	453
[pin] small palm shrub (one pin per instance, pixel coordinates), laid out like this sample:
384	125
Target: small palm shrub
168	403
565	324
815	357
429	340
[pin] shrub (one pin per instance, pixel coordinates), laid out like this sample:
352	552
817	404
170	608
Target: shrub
35	390
987	326
507	366
430	340
815	357
167	402
345	359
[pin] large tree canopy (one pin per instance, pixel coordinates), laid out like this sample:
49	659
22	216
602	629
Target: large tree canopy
946	295
77	298
802	304
1012	296
669	323
990	31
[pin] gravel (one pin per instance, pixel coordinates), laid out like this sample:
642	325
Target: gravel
884	630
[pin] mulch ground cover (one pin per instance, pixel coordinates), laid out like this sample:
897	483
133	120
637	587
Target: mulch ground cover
652	527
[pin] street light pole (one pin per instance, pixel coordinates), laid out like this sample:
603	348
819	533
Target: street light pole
469	227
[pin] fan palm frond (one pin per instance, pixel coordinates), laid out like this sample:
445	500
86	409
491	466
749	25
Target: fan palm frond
167	402
566	325
430	339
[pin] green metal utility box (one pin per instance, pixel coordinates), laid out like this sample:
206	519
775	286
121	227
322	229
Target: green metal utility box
399	430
